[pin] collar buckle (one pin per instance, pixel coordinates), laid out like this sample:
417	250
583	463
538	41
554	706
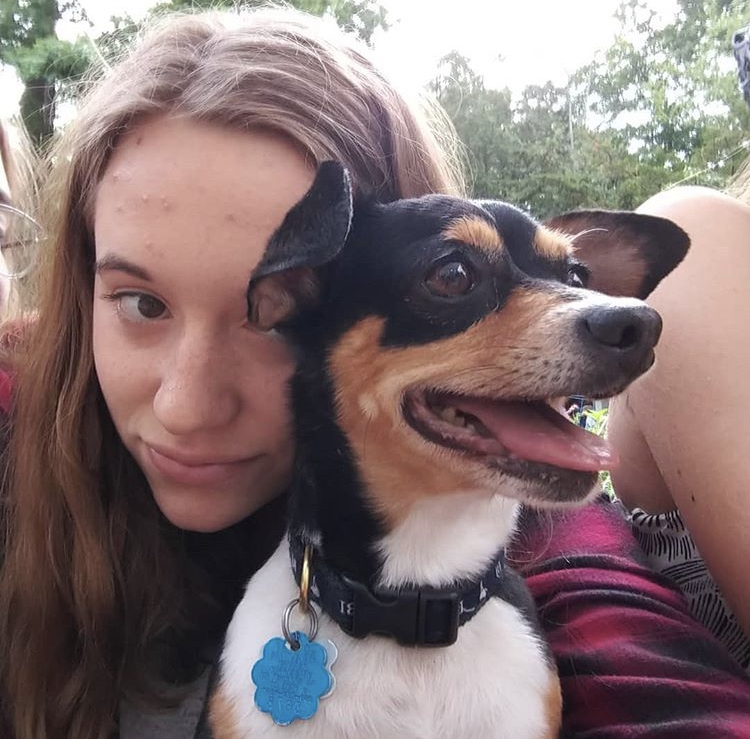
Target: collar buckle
424	617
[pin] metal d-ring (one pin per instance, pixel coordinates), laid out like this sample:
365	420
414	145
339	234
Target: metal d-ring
311	614
304	580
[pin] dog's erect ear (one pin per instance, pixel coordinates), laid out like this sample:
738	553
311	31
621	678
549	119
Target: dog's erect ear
627	253
313	232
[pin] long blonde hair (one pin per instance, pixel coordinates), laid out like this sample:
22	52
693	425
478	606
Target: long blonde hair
94	579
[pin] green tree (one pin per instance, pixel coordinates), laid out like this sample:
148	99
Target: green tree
29	43
660	106
670	90
517	151
483	120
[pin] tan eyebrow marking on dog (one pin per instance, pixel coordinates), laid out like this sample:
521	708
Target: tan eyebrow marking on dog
553	244
474	231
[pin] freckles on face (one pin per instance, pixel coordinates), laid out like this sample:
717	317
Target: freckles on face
182	216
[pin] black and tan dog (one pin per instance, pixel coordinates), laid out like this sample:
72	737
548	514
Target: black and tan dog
437	338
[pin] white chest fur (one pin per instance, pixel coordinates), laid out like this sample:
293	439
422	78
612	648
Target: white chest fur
493	682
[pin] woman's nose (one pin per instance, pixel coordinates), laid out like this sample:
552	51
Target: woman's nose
198	388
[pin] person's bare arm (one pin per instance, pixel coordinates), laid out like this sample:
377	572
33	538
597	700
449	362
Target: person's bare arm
684	428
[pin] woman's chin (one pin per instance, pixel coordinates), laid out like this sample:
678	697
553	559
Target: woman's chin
207	512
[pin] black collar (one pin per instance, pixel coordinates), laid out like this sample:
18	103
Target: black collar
417	617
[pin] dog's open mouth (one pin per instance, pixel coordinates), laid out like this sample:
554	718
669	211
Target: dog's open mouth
532	431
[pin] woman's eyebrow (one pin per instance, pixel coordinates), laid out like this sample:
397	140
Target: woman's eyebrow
112	262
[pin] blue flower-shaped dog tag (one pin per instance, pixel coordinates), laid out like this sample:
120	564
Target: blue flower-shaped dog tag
290	682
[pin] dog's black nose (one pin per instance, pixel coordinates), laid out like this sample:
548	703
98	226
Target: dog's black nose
622	329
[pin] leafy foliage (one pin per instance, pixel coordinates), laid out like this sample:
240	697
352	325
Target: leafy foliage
29	43
659	107
671	91
595	420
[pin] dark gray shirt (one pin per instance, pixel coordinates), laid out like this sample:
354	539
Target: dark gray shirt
180	722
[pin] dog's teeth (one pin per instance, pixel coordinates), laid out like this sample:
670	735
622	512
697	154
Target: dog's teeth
472	427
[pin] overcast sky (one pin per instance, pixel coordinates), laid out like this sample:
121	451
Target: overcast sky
511	43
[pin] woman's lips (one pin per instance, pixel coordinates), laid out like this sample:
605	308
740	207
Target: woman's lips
194	471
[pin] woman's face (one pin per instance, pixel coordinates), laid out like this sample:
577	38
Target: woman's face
182	217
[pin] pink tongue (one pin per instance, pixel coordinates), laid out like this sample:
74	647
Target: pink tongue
540	434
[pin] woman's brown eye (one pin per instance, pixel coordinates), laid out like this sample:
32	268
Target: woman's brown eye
150	307
139	307
449	280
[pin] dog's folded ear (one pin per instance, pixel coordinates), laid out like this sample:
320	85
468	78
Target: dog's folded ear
626	253
313	232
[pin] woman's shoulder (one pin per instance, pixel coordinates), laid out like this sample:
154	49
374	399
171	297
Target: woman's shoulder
13	335
6	404
6	391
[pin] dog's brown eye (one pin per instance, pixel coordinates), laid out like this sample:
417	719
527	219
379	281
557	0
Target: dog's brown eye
578	276
449	280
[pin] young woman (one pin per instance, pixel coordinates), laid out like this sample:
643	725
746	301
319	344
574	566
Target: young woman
149	443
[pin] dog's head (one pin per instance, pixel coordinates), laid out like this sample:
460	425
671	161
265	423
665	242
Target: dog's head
449	332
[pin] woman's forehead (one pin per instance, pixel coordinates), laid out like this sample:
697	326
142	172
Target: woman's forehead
205	170
196	203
